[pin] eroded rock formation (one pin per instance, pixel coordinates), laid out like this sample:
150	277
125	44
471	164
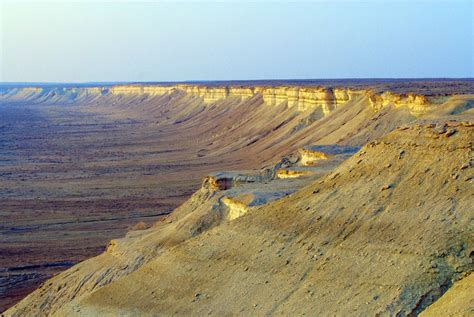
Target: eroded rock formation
300	98
316	231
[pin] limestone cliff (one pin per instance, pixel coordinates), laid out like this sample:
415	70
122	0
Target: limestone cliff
417	104
299	98
151	90
52	94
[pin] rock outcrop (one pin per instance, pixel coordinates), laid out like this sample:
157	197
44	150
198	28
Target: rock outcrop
311	155
417	104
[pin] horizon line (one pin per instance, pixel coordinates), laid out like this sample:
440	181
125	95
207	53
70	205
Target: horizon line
200	81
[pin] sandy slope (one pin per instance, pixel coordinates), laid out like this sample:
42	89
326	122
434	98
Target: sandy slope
387	232
192	139
354	247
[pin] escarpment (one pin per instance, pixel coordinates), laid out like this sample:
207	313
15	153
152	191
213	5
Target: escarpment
384	233
300	98
308	196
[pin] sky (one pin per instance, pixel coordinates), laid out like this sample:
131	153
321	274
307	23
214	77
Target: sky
91	41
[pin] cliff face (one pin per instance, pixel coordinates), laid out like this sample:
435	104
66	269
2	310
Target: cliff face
415	103
140	90
299	98
308	98
52	94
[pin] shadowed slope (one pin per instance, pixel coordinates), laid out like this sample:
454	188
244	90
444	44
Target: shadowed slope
457	301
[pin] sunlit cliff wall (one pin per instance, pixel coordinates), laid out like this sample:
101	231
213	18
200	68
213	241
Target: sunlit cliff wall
416	104
152	90
298	98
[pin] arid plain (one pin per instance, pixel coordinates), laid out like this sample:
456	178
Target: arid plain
281	186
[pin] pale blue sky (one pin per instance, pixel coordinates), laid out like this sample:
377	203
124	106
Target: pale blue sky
175	41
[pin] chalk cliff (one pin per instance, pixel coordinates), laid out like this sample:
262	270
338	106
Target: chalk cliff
299	98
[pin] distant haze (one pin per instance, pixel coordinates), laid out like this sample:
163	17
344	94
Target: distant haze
175	41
